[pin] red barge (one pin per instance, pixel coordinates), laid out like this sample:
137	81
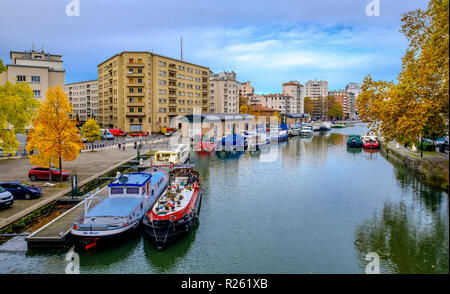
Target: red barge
176	211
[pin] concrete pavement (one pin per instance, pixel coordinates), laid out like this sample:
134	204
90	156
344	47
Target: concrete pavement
88	166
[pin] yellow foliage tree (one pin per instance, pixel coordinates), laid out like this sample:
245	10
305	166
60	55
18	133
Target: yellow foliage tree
91	131
308	105
55	135
244	109
418	103
17	106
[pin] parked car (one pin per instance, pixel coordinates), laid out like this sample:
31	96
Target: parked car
106	134
137	133
117	132
22	190
42	173
6	198
441	141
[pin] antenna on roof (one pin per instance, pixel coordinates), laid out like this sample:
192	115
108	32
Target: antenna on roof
42	48
33	48
181	44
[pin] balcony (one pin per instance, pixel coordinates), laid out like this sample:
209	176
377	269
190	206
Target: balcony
172	102
136	94
135	84
135	74
135	64
136	104
140	114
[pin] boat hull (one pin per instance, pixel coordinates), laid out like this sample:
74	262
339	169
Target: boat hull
86	240
371	145
165	232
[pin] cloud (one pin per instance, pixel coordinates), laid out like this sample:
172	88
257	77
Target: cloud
266	42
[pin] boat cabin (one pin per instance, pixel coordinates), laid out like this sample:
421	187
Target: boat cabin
136	185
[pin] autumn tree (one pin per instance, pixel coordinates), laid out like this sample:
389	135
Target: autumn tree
91	131
308	105
17	106
336	111
243	100
55	135
418	102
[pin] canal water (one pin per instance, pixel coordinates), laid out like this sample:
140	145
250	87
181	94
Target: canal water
311	206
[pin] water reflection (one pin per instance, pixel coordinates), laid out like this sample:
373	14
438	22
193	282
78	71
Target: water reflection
406	240
165	261
410	236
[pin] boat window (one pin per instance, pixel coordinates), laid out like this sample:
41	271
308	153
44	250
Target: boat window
153	192
132	190
116	190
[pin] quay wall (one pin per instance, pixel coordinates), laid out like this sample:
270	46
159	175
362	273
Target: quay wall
431	171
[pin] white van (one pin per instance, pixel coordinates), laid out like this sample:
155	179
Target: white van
106	134
6	198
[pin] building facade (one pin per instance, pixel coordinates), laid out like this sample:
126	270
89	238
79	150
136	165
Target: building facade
282	103
224	93
39	69
318	92
343	98
354	89
143	91
246	90
83	96
297	91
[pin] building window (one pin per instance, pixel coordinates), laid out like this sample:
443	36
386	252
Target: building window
35	79
21	78
37	93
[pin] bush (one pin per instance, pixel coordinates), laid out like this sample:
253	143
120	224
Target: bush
426	146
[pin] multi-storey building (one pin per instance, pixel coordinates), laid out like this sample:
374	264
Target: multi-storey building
39	69
144	91
84	99
297	91
224	93
354	89
280	102
343	98
256	100
247	91
318	92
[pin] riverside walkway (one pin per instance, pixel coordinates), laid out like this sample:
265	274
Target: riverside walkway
88	166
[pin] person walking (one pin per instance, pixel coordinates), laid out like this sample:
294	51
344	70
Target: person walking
119	146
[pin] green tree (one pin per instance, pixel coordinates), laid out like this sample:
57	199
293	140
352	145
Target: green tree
91	131
17	106
336	111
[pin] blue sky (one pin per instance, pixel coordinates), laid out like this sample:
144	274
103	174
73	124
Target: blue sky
265	42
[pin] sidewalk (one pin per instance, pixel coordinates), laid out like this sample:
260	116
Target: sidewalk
88	166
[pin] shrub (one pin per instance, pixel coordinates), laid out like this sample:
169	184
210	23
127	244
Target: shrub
426	146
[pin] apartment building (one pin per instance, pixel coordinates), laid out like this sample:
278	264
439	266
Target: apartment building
224	93
297	91
140	90
343	98
282	103
39	69
354	89
84	99
247	91
318	92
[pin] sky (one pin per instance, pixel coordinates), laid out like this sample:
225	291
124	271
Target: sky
265	42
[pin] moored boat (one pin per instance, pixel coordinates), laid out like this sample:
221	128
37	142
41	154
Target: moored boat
176	212
370	141
256	140
278	134
306	131
130	197
354	141
232	142
178	154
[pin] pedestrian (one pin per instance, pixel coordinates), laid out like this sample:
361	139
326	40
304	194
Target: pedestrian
120	146
123	147
135	144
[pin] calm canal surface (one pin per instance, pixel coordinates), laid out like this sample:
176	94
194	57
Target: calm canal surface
317	208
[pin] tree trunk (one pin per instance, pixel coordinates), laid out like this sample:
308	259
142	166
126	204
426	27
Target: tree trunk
49	171
60	170
92	144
